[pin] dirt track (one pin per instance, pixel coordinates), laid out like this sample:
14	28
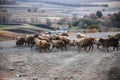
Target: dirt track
68	65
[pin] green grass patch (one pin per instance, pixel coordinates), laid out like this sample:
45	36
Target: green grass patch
2	26
74	28
23	26
7	27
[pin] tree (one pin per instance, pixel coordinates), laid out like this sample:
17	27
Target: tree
70	24
76	23
62	21
29	10
93	27
115	20
99	13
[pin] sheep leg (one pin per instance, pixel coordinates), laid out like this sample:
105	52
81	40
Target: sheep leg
49	50
62	49
92	47
65	46
79	49
40	49
52	47
116	48
89	47
98	46
113	48
107	49
85	48
32	45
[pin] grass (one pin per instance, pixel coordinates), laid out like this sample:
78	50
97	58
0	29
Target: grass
26	26
7	27
6	35
15	26
2	25
74	29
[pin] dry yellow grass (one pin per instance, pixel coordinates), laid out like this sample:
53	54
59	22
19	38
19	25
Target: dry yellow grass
4	79
6	35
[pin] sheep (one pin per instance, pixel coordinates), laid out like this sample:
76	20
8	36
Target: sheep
117	36
97	43
20	41
54	37
29	40
42	45
78	42
44	38
110	42
36	42
85	43
59	44
40	37
65	39
73	44
82	36
64	34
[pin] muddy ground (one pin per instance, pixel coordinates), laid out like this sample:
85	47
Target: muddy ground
24	63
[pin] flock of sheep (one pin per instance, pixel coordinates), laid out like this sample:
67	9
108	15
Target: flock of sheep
63	42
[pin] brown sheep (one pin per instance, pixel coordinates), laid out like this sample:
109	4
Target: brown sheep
59	44
64	34
44	38
73	44
36	42
117	36
42	45
110	42
29	40
40	37
20	41
65	39
98	44
82	36
85	43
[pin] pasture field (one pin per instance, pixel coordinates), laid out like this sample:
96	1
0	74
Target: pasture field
24	63
10	32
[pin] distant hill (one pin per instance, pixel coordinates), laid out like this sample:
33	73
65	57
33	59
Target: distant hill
71	1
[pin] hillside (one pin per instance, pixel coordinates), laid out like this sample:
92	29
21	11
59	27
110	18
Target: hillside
71	1
23	63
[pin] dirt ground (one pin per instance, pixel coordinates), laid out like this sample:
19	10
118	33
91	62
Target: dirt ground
24	63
